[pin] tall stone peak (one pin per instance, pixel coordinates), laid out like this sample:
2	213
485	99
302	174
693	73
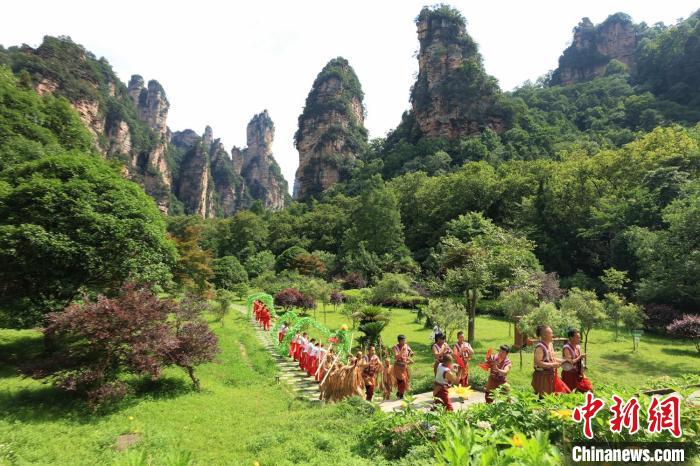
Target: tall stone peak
331	129
259	168
453	95
208	137
136	85
260	133
594	46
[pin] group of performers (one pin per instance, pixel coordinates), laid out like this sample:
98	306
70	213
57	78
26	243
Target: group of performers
451	367
262	315
361	374
545	378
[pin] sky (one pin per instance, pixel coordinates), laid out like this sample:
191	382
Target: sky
220	62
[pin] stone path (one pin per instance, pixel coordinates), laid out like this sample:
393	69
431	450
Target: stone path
304	386
307	388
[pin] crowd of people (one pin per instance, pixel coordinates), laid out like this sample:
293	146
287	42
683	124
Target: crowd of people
360	374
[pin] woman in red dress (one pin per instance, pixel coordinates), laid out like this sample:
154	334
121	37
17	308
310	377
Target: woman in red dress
545	364
572	367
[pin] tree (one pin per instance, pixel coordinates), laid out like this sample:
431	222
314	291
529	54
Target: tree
308	264
615	281
517	302
446	314
260	262
632	317
286	260
390	287
376	227
371	321
669	259
613	307
241	290
136	332
193	268
242	235
71	223
587	308
688	327
228	272
478	257
224	298
288	298
560	320
319	290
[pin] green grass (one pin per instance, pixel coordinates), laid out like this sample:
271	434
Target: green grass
609	362
242	415
239	417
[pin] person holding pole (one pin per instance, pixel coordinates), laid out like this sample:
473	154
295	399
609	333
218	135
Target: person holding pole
402	358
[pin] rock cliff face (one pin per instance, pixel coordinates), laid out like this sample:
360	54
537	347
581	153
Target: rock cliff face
331	130
594	47
211	182
453	96
152	105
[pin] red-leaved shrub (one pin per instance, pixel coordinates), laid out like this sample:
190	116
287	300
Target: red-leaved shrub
687	327
94	342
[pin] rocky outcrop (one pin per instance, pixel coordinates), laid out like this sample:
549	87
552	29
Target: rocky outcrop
453	96
129	123
211	182
594	47
152	105
194	189
259	169
331	130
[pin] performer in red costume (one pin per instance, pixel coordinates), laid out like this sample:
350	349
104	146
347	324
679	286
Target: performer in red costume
463	353
445	377
572	367
440	348
370	366
402	358
499	366
545	378
282	332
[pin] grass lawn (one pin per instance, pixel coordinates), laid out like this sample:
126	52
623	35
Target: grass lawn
609	361
239	417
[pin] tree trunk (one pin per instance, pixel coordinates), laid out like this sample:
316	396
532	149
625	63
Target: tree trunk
471	304
195	380
585	341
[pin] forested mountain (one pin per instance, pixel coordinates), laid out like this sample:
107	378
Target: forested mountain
129	123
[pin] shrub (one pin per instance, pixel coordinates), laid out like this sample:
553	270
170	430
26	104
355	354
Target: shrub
391	286
659	316
354	280
307	264
260	262
228	272
286	259
402	302
337	297
135	332
288	298
548	314
687	327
